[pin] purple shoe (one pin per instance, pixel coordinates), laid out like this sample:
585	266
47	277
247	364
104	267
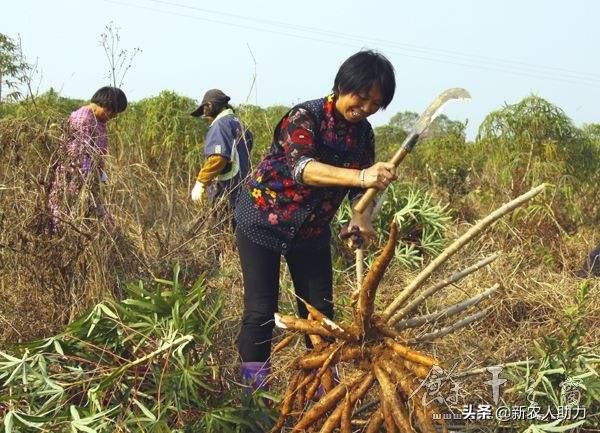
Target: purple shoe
255	375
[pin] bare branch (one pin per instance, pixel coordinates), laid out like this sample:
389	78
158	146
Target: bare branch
448	329
450	311
411	306
456	245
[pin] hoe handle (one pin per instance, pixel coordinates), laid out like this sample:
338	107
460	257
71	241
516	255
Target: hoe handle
369	196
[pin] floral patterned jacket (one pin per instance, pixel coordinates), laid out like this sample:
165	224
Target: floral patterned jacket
276	209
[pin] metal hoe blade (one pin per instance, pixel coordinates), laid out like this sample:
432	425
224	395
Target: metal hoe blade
433	110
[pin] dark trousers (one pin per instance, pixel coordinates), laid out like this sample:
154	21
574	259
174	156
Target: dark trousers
591	267
312	277
223	209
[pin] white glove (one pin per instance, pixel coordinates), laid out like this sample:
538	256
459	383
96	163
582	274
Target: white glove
198	192
103	176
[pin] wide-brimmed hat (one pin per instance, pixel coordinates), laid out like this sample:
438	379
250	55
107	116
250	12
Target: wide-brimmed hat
212	95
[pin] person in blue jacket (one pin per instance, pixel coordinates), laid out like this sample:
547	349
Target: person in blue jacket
227	149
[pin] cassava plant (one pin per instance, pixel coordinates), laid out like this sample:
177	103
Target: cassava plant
534	141
421	223
378	350
564	373
146	363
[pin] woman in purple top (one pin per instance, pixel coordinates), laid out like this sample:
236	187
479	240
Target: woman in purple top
322	151
81	163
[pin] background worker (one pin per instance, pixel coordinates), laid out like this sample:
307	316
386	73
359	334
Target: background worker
81	165
227	149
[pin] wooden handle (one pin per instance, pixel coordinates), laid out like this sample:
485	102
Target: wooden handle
371	193
365	200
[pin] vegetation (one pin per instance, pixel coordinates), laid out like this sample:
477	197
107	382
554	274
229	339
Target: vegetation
145	363
563	374
14	69
84	348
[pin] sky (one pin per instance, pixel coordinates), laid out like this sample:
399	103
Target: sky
268	52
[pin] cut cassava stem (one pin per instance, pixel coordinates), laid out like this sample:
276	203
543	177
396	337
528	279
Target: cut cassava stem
454	247
448	312
448	329
411	306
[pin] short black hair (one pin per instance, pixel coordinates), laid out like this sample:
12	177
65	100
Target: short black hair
364	69
111	98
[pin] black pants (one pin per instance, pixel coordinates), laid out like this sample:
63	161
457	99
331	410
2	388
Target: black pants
312	277
223	209
591	267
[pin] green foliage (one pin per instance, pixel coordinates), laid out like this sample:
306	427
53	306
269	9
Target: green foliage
389	137
387	140
444	158
262	123
13	68
441	159
565	371
535	131
140	364
404	120
47	107
532	142
421	222
592	132
160	132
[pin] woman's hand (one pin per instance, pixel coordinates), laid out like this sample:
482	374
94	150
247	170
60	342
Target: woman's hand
360	225
379	175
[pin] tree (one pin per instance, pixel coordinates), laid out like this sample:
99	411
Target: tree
13	68
404	120
592	131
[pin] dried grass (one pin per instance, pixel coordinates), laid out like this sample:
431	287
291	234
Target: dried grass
47	280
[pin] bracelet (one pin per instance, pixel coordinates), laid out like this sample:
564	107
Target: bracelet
361	176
